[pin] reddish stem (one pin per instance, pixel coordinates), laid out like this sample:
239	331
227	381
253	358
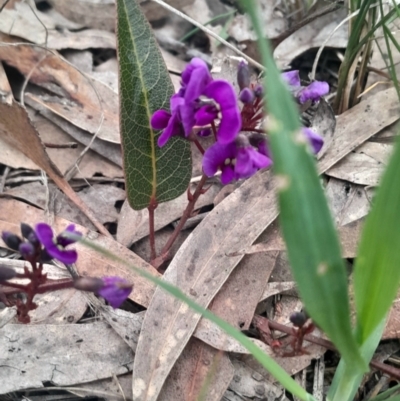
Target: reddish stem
390	370
186	214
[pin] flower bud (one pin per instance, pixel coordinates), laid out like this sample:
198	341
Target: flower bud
246	95
90	284
26	230
11	240
29	233
27	250
6	273
258	91
243	75
298	319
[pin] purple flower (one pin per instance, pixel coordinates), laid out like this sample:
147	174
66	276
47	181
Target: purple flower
315	140
312	92
243	75
292	78
234	160
170	122
246	95
231	121
189	109
115	290
55	247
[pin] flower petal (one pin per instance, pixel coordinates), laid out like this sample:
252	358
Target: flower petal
173	128
44	233
292	78
231	121
115	290
215	156
195	64
315	140
228	174
313	92
159	120
200	77
206	115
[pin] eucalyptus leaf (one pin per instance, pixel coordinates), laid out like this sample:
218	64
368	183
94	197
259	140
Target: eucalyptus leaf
153	175
307	226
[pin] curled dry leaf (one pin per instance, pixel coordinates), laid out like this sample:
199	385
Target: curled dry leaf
22	22
235	303
91	164
83	101
365	165
17	129
101	198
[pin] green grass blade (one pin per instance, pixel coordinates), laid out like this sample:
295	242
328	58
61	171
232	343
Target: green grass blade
307	226
377	269
265	360
386	394
346	382
153	174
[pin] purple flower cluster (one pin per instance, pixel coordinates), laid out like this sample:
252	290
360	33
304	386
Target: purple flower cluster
205	103
40	245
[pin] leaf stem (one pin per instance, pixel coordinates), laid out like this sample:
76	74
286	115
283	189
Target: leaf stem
151	208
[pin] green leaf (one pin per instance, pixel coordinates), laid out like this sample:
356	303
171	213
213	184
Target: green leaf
377	269
307	226
153	174
386	394
346	381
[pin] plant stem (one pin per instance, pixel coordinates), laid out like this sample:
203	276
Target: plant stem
151	208
390	370
186	214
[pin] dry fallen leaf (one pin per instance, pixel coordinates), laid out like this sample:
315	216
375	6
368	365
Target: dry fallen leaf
365	165
90	165
22	22
235	303
17	129
101	198
67	353
83	101
313	35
